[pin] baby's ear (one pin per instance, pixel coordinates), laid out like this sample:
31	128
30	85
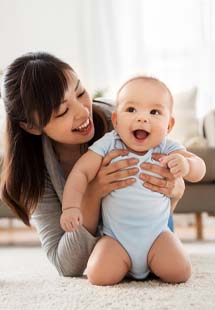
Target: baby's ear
114	119
171	124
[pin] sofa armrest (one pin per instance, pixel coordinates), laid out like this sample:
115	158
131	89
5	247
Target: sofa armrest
208	155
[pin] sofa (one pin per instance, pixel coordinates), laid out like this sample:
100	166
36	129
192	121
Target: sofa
200	197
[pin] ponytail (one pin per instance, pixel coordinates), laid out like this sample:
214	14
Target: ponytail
23	171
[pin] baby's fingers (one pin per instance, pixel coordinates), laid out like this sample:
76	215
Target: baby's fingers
176	171
76	222
70	226
165	160
80	220
178	175
172	163
67	226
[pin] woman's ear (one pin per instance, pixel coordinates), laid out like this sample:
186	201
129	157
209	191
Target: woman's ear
32	130
171	124
114	119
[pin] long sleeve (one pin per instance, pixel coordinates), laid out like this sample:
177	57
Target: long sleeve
68	252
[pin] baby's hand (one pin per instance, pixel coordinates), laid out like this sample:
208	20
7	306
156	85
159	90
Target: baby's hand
177	163
71	219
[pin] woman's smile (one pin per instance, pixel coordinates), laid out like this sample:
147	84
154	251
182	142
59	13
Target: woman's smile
85	128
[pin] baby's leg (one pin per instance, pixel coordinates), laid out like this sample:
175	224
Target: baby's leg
109	262
168	260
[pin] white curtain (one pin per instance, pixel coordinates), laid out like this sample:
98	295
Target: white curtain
171	39
109	40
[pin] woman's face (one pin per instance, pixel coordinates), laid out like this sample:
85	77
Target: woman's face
72	123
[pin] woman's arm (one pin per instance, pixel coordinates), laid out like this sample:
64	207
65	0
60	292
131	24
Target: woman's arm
168	185
68	252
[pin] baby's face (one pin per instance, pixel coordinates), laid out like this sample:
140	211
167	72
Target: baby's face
143	117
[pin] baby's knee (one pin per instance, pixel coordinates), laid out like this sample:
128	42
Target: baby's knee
180	274
184	272
93	274
98	274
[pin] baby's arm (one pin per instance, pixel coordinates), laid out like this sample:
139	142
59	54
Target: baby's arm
81	175
185	164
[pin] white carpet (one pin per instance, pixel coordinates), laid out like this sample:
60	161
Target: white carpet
28	282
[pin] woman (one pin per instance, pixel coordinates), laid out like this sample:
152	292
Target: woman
50	123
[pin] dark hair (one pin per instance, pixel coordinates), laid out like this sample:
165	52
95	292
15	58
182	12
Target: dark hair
34	82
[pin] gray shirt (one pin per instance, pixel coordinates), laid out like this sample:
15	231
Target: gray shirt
67	251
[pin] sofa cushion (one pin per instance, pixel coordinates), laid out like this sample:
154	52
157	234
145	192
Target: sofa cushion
208	155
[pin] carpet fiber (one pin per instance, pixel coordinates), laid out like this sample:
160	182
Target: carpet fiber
28	281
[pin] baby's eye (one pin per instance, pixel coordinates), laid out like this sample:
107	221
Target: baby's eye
155	112
131	110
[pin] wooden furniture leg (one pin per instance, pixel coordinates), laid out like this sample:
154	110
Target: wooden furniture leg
199	226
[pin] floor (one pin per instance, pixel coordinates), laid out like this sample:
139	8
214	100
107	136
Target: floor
29	281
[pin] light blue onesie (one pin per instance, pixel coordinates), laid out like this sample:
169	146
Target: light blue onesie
135	215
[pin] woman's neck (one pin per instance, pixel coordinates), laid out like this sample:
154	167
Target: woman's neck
67	155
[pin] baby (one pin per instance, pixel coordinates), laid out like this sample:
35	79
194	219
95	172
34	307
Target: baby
136	238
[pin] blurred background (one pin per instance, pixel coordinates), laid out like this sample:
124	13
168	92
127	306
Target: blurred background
108	41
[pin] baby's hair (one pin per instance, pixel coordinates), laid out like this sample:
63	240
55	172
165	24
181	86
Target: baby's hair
147	79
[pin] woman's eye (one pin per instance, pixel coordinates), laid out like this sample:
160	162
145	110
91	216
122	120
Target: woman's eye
155	112
62	114
81	94
130	110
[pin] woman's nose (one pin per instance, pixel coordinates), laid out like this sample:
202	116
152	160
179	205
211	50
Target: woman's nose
81	112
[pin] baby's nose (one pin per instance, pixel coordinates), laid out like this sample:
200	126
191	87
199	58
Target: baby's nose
142	118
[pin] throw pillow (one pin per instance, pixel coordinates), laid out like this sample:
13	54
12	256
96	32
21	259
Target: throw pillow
186	122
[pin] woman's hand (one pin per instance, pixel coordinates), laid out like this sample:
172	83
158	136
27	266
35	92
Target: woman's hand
110	174
168	185
107	180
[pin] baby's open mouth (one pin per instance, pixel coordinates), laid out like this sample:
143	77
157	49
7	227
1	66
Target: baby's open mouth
140	134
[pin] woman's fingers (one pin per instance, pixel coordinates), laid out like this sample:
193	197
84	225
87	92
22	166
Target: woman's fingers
162	190
113	175
113	154
173	188
120	184
162	171
165	185
154	181
120	164
121	174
